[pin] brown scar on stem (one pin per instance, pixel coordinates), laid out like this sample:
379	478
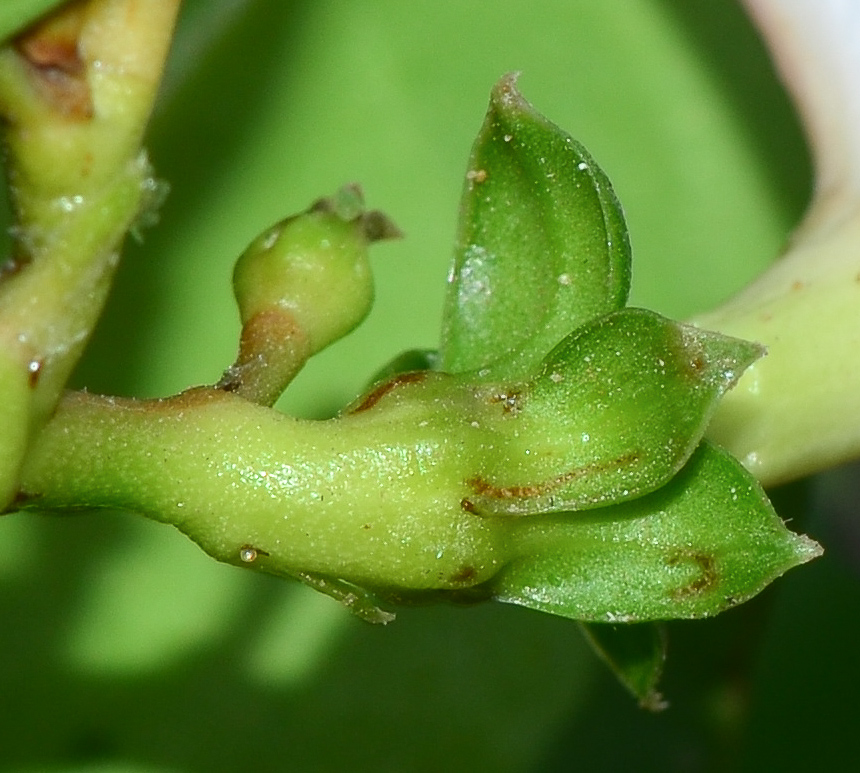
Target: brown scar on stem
34	370
376	394
706	581
51	49
483	487
21	500
510	401
465	574
269	336
14	265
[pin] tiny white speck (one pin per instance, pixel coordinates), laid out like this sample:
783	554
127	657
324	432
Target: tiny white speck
270	238
582	166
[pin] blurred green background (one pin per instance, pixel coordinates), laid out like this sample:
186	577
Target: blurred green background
126	649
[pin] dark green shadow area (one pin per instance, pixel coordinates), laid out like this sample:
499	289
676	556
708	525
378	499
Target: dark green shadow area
804	711
771	685
442	688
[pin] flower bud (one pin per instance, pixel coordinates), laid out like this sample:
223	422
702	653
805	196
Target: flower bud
300	286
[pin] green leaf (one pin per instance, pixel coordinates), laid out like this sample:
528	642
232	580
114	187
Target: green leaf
541	247
615	412
15	15
635	653
705	542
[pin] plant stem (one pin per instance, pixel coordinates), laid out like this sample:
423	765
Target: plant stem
794	412
76	91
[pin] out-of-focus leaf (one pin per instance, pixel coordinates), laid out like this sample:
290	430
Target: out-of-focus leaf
706	541
541	247
615	412
635	653
15	15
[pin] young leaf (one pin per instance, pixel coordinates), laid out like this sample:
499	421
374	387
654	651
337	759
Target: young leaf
705	542
541	247
635	653
615	412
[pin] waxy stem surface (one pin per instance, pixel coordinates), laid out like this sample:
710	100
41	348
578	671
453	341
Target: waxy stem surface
374	497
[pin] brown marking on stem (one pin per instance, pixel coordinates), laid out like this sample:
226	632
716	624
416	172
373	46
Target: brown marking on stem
34	370
468	506
22	500
706	581
13	265
509	400
51	50
483	487
464	574
376	394
272	349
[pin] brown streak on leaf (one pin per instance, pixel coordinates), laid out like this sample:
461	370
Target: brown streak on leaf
706	581
487	489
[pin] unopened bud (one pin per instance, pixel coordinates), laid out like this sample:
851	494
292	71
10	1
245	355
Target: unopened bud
300	286
314	266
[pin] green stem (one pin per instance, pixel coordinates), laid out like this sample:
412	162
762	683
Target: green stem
76	91
373	497
794	412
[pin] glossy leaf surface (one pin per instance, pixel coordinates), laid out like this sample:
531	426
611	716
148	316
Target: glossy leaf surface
703	543
616	410
541	247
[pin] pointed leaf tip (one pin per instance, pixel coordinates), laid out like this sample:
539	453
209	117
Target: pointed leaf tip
616	410
540	229
705	542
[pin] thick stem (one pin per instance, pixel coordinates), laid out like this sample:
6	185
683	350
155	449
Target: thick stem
373	498
793	412
75	94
